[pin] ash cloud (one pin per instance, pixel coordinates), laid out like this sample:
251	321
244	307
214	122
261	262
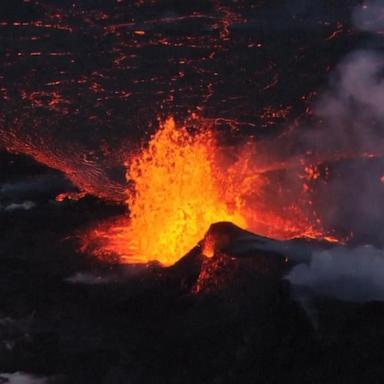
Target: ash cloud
355	275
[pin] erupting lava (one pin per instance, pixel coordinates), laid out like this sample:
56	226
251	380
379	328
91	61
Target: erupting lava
180	184
176	197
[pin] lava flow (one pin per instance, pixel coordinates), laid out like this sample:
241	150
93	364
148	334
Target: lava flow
179	186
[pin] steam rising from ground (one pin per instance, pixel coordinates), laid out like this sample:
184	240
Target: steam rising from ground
351	114
22	378
34	187
102	278
347	274
26	205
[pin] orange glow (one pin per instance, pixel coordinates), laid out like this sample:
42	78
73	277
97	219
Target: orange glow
74	196
176	197
176	194
180	184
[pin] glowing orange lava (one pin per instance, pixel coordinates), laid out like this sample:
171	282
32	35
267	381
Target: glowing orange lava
182	182
176	197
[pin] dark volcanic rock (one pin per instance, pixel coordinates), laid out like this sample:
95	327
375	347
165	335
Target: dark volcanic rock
220	319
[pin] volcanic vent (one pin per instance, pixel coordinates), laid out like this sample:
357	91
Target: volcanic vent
179	184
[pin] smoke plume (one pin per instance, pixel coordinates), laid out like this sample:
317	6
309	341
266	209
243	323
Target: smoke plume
22	378
347	139
349	131
370	16
355	275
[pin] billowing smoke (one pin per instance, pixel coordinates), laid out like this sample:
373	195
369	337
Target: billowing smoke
348	139
349	132
355	275
370	16
353	109
352	123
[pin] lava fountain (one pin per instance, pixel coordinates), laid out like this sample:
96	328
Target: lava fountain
178	185
177	195
174	199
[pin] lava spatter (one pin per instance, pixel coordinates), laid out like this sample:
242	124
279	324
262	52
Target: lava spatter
181	183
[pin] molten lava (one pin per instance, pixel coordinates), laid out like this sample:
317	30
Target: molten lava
176	197
180	184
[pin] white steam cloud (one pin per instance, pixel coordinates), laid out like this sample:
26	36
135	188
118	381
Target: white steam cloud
26	205
118	276
351	124
21	378
355	275
348	135
352	110
90	279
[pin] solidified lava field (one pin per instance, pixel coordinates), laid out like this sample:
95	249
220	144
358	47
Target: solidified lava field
84	84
